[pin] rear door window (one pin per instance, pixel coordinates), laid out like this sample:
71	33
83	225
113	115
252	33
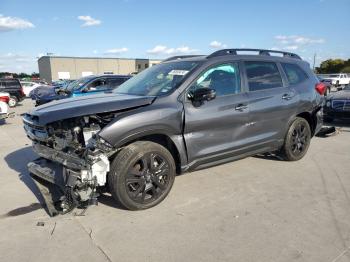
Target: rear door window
262	75
294	73
115	82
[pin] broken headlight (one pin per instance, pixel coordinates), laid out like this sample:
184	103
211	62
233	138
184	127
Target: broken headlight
102	144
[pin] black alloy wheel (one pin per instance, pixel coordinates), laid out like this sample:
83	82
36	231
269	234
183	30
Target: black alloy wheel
142	175
147	178
297	140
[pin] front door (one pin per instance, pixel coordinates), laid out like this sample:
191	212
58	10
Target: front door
218	126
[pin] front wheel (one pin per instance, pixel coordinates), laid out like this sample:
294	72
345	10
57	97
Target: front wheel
141	175
297	140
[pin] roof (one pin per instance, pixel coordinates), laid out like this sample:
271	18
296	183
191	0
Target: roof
237	54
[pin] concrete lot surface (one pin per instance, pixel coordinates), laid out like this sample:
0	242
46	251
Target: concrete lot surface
256	209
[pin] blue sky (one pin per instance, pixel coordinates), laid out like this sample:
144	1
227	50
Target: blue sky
161	28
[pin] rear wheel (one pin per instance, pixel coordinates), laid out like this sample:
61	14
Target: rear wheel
13	101
142	175
297	140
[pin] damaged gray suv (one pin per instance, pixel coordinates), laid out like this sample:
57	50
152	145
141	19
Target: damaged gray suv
187	113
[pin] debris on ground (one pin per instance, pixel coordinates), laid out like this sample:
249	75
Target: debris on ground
327	131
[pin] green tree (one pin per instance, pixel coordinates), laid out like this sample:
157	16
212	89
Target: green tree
331	66
346	69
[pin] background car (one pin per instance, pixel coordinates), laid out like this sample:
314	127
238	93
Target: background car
61	83
29	86
3	110
337	108
14	88
81	87
4	97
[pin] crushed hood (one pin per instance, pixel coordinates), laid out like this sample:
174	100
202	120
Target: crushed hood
87	105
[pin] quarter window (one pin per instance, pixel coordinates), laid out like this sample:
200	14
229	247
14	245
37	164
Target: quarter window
224	79
262	75
295	74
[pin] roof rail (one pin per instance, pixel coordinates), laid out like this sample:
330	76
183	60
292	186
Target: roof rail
179	57
261	52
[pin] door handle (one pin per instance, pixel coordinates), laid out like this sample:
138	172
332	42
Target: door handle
287	97
241	107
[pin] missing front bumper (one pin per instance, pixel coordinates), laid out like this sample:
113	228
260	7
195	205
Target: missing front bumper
63	189
49	179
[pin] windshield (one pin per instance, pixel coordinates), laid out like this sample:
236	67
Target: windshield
157	80
77	83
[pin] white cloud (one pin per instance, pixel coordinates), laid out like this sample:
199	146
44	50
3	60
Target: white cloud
8	23
217	45
117	50
88	20
295	42
296	39
164	50
291	47
17	63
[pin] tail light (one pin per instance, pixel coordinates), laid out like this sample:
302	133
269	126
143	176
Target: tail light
321	88
5	99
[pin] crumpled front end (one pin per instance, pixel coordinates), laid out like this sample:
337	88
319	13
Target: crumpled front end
73	158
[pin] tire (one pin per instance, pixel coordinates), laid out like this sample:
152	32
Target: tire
142	175
13	101
297	140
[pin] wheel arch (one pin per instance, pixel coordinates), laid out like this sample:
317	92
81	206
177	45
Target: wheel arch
173	143
311	119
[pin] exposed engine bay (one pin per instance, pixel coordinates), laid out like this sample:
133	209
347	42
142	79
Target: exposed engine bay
82	157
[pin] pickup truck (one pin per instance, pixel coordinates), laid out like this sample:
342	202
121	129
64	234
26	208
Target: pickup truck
338	79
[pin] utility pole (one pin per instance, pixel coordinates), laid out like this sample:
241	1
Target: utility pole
313	66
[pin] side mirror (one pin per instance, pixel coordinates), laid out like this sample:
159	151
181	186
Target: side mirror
202	94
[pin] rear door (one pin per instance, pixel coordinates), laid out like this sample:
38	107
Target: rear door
216	127
271	102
